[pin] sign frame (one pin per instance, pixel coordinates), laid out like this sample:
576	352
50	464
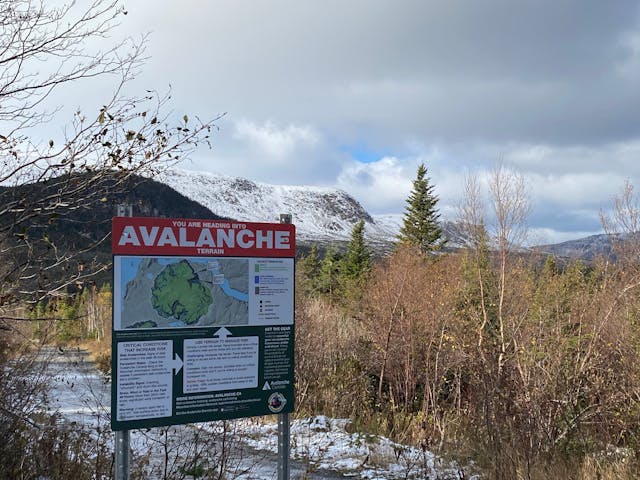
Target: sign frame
177	361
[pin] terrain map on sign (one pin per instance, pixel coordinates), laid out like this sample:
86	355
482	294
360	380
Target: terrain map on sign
168	292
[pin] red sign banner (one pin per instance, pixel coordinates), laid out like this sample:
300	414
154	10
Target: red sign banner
193	237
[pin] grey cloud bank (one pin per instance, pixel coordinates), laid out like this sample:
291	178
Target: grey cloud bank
549	87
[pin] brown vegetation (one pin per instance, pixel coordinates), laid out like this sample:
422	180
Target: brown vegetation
557	389
530	368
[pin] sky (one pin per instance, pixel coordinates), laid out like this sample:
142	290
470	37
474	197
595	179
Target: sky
356	94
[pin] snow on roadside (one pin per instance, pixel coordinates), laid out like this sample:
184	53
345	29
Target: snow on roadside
76	390
324	444
81	395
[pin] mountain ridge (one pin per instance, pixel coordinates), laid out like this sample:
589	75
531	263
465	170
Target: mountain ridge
319	213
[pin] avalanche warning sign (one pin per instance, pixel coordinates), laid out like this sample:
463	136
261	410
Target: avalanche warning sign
203	321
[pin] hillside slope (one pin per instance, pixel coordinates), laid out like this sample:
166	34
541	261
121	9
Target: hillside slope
320	214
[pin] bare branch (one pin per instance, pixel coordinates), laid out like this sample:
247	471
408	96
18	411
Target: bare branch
43	48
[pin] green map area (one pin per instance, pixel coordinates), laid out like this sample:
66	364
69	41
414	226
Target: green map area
178	293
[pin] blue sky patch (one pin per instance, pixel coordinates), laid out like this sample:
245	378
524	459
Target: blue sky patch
362	153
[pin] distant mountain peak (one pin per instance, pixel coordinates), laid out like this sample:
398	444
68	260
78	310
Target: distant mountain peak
319	213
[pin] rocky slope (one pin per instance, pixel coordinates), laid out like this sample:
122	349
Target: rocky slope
320	214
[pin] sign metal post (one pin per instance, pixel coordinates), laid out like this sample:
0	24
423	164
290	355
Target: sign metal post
284	430
284	435
122	455
122	437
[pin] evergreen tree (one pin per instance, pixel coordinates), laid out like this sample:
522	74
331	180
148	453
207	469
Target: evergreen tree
330	268
478	296
355	267
308	271
357	260
420	226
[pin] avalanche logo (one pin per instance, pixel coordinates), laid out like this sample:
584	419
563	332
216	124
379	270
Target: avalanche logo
276	402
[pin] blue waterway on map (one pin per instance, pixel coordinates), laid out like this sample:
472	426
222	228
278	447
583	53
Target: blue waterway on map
128	270
243	297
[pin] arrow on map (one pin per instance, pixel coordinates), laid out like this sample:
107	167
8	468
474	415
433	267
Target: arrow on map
222	333
176	364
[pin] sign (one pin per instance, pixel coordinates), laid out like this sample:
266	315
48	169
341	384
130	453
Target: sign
203	321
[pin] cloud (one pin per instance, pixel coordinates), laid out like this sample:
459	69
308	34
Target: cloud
568	186
528	71
550	87
629	66
379	185
268	152
573	190
602	158
383	186
274	142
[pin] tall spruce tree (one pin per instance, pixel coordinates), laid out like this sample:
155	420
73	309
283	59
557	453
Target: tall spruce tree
420	225
308	271
357	260
329	274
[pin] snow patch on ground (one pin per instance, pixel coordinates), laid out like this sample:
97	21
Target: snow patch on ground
325	444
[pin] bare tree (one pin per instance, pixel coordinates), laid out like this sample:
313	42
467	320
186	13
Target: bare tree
622	226
511	207
43	49
471	218
471	210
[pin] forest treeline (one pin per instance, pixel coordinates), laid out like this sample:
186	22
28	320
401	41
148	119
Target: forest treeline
420	353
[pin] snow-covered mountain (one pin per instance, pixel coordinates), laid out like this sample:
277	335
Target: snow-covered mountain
319	213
